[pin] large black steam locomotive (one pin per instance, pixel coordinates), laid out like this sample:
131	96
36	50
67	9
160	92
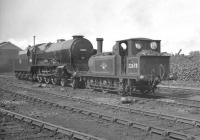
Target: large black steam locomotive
134	64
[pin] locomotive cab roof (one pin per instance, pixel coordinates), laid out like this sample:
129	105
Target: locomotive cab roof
138	39
133	46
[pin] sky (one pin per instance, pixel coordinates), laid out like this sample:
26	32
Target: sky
175	22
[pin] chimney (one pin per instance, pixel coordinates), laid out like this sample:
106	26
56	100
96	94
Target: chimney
99	45
77	36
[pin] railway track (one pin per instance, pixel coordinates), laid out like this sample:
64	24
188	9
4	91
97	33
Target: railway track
130	130
17	126
148	113
175	101
166	100
73	100
172	101
193	125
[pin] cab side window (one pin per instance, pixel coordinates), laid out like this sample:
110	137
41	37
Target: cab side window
124	49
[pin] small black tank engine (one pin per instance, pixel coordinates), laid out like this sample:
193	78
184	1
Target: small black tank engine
138	66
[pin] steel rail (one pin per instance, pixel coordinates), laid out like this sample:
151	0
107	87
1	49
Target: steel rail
172	103
45	125
134	124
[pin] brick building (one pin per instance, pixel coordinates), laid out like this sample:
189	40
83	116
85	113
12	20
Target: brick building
8	55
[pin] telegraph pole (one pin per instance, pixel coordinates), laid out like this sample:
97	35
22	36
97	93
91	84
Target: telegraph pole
34	50
34	41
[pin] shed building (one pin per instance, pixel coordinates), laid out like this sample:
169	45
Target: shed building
8	55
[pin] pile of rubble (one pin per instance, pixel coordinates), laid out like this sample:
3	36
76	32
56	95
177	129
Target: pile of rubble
185	68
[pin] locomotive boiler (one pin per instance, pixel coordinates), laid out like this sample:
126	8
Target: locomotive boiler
54	62
138	66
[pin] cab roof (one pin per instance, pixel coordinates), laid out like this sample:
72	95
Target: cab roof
138	39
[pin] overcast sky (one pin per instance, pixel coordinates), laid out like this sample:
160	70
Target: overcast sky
175	22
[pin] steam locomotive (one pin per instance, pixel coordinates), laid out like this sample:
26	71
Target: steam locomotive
134	64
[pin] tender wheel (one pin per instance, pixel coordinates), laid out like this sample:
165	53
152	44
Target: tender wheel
54	80
74	83
104	91
47	80
30	78
63	82
88	84
34	77
25	76
16	74
82	84
40	79
144	91
20	75
121	90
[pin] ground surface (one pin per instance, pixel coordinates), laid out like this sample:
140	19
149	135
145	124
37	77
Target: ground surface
142	103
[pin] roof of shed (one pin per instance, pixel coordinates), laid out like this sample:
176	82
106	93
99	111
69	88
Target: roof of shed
9	45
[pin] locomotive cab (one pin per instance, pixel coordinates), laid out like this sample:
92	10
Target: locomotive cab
144	62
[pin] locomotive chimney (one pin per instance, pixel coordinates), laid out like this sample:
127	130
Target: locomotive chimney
99	45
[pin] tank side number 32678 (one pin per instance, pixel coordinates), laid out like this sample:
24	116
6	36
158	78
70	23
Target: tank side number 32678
134	65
